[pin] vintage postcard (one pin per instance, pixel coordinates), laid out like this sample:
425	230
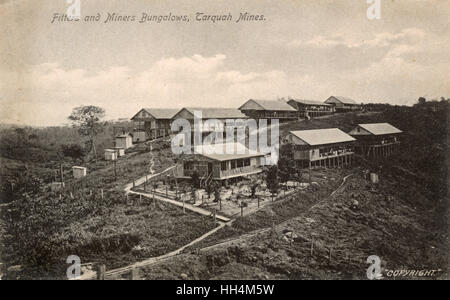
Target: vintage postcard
224	140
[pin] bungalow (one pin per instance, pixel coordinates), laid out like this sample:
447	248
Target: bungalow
343	104
269	109
219	114
220	162
311	109
321	147
152	123
376	139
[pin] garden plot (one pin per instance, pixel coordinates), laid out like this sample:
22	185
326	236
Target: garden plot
235	199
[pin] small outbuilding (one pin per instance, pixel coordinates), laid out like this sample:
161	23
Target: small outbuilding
120	151
124	141
111	154
79	172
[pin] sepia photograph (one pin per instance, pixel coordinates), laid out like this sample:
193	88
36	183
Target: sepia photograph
224	147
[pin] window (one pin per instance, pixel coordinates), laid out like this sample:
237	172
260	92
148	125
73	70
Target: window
247	162
188	166
240	163
233	164
223	166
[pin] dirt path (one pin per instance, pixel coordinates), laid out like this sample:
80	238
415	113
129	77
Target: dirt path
187	206
141	180
153	260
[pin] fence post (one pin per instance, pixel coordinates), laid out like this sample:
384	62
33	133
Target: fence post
101	270
135	274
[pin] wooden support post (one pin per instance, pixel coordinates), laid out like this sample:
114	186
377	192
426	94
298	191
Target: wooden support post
61	172
242	210
184	209
115	170
101	270
309	172
312	246
140	199
101	193
134	274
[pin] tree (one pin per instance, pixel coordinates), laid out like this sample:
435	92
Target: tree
209	188
287	170
73	151
87	120
216	188
253	188
272	180
195	179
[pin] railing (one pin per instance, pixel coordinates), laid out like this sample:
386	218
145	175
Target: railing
239	171
333	154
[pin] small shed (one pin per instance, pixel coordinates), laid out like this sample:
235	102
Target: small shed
124	141
79	172
120	151
111	154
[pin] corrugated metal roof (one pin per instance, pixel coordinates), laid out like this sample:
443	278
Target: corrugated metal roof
345	100
218	113
310	102
226	151
323	136
277	105
157	113
380	128
162	113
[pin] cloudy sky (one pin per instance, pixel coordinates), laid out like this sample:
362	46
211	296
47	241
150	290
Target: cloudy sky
307	49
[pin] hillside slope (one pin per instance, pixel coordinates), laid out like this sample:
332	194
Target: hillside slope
391	219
